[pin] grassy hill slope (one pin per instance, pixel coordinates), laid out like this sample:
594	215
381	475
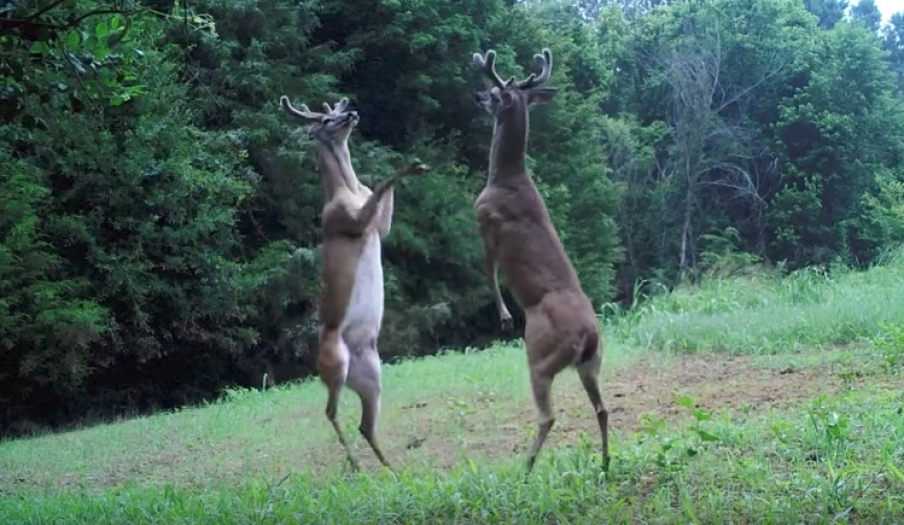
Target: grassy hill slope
754	398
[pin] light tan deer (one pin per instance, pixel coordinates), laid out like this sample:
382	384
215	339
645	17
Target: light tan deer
355	220
518	238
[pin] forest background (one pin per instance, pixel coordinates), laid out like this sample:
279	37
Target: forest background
159	216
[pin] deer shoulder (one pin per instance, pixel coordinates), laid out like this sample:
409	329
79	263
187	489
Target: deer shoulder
340	213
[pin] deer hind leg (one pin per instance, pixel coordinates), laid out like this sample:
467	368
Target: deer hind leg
333	365
541	386
588	371
546	358
365	379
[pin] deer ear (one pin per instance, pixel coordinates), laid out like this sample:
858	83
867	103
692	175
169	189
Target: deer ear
540	95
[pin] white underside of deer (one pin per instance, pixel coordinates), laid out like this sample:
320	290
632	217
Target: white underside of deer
365	307
363	319
519	239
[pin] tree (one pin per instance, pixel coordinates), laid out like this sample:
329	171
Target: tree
867	13
834	137
707	149
713	90
122	258
829	12
893	42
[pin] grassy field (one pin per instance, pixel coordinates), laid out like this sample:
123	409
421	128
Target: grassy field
752	399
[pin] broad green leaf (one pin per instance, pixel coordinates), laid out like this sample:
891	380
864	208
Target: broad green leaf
701	415
39	47
101	52
686	401
100	30
706	436
73	39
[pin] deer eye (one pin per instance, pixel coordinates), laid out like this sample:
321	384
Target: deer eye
326	121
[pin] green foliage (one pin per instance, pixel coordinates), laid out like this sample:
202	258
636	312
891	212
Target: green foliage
893	42
834	145
867	13
121	253
829	12
721	255
890	341
885	209
47	320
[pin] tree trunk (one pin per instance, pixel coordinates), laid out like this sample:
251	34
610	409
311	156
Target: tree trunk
686	232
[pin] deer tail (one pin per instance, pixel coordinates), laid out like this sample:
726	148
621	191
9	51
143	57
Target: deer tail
590	345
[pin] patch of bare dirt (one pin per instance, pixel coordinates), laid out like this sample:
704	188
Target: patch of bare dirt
720	382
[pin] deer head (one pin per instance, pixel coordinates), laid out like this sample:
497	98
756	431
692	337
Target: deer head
332	127
506	97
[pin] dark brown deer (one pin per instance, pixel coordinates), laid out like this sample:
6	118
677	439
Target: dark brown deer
518	238
354	222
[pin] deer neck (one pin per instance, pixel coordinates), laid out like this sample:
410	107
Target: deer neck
509	146
336	169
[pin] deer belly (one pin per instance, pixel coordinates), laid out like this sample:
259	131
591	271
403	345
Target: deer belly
365	307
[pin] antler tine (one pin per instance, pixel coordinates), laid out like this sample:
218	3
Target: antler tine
336	109
487	64
535	80
302	111
341	105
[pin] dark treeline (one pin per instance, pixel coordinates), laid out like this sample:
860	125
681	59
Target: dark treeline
159	215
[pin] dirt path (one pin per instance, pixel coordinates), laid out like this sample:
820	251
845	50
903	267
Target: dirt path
646	387
719	381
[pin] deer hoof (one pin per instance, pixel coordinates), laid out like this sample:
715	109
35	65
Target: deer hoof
507	323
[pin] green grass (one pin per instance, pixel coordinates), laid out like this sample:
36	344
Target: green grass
766	313
802	431
253	432
832	460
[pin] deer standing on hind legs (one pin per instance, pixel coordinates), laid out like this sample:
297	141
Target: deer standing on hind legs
518	238
355	220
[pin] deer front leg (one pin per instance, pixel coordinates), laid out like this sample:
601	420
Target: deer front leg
355	224
384	219
492	273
